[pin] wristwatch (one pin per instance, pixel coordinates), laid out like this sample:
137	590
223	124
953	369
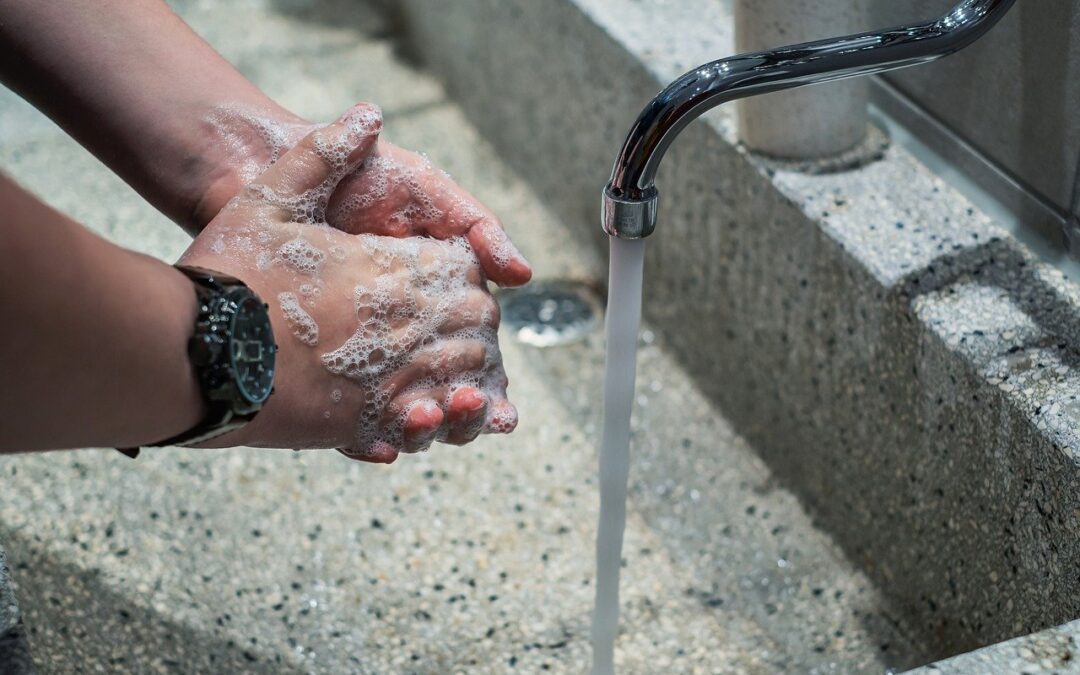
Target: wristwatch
232	352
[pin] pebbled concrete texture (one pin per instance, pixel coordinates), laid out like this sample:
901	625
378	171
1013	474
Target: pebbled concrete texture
899	362
476	559
1051	651
14	652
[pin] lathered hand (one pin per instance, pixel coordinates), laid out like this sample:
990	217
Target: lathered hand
386	344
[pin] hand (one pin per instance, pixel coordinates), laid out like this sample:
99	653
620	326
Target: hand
385	344
395	192
400	193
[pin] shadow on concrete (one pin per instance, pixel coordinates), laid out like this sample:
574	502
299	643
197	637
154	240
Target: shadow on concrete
15	653
73	618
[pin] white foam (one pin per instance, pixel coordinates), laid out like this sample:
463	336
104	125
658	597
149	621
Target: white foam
391	330
300	322
253	136
302	256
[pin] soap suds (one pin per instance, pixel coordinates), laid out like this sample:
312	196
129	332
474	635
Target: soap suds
393	332
300	322
302	256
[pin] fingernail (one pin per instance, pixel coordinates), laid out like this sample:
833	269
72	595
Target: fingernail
362	120
503	419
476	404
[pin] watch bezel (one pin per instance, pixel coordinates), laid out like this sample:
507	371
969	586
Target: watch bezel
238	299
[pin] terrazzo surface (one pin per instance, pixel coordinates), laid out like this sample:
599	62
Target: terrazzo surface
476	559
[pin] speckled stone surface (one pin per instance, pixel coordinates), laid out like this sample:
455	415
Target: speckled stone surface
14	652
475	559
901	364
1050	651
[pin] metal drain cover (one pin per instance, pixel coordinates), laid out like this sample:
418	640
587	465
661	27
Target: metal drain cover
549	313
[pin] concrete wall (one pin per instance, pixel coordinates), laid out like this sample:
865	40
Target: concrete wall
1015	95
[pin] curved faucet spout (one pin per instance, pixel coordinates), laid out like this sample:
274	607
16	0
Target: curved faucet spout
629	209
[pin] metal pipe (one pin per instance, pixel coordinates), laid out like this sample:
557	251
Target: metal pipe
629	206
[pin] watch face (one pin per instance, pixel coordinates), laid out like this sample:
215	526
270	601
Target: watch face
252	349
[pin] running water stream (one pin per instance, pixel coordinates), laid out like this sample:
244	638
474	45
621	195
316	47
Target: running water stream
623	320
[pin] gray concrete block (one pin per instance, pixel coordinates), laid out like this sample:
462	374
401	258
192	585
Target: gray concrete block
801	304
1050	651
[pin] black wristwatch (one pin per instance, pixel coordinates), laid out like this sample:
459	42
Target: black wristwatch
232	352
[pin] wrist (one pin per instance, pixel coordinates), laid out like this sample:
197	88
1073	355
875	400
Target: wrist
165	386
236	144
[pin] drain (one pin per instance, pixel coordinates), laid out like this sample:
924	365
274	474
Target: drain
549	313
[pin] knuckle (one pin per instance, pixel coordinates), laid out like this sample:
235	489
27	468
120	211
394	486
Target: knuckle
477	354
489	306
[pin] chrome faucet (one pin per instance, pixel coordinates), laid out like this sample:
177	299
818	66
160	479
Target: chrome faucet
629	208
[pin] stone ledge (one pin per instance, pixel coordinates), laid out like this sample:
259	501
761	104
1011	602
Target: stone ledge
866	330
1050	651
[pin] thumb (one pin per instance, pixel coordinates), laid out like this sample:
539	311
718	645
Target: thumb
326	155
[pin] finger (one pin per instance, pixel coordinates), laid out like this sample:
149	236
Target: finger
500	259
502	418
326	154
363	205
438	363
423	421
478	309
466	415
379	452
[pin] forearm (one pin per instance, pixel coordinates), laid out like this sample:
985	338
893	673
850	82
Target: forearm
137	87
94	349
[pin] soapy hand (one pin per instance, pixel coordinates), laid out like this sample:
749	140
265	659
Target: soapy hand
385	344
400	193
394	192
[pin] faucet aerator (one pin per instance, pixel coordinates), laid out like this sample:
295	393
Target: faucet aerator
629	218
